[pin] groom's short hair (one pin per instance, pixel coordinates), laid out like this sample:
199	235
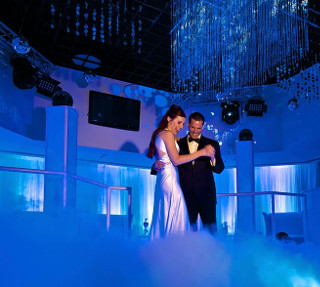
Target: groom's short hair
196	116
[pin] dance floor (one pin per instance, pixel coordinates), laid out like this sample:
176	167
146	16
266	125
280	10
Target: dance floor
31	257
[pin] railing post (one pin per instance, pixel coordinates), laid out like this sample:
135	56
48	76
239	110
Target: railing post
129	209
273	219
129	189
108	207
305	218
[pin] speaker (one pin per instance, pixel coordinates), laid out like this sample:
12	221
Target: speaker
24	74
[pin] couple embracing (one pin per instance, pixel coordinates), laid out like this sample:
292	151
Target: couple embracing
180	195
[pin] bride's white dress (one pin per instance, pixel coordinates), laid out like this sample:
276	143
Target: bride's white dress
170	215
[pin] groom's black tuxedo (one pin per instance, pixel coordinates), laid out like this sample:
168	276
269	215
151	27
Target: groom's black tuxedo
197	181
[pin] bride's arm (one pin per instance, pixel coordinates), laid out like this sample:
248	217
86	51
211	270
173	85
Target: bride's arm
173	154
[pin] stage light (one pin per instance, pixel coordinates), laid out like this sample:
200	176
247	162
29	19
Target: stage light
256	108
293	104
47	86
230	112
89	76
62	98
20	45
245	135
24	74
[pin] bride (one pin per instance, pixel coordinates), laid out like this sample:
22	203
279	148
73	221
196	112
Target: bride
170	214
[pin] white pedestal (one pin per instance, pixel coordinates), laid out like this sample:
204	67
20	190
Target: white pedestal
245	183
61	156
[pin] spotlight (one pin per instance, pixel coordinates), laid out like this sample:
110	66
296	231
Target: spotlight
89	76
256	108
62	98
230	112
24	74
245	135
47	86
20	45
293	104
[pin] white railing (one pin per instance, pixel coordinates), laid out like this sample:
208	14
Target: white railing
68	175
273	194
129	189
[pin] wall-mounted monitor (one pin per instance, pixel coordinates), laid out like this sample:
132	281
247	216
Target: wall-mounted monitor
114	111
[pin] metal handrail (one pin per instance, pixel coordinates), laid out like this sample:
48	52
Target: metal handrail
273	193
65	174
129	189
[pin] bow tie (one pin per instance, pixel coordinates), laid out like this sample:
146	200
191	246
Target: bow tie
191	139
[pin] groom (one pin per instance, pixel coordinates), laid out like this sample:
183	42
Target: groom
196	177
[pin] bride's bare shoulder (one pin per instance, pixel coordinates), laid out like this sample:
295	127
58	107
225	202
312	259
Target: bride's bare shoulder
166	134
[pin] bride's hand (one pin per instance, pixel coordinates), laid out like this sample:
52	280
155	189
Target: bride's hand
209	151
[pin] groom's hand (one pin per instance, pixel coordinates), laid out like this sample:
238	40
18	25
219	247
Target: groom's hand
158	165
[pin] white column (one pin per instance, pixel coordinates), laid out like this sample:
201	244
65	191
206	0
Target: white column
245	183
61	156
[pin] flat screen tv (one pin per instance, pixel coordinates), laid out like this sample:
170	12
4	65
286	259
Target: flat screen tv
114	111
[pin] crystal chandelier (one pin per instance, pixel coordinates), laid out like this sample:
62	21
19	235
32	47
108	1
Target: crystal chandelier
114	22
221	46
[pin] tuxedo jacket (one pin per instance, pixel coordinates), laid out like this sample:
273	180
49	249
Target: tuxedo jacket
198	177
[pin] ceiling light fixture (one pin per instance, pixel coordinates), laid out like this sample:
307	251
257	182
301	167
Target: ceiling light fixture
21	45
62	98
230	112
256	108
24	73
293	104
89	76
47	86
245	135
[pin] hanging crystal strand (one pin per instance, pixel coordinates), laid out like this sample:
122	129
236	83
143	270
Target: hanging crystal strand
68	24
263	53
110	22
117	18
286	34
77	24
53	12
94	28
133	39
216	35
85	15
268	11
295	41
290	35
259	44
68	17
173	49
125	42
282	37
253	43
140	30
102	40
298	37
275	53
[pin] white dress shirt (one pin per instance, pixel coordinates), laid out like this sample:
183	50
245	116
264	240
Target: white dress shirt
193	147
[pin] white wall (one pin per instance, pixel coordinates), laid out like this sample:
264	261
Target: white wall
281	136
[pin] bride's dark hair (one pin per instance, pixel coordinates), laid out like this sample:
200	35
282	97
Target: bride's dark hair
173	112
